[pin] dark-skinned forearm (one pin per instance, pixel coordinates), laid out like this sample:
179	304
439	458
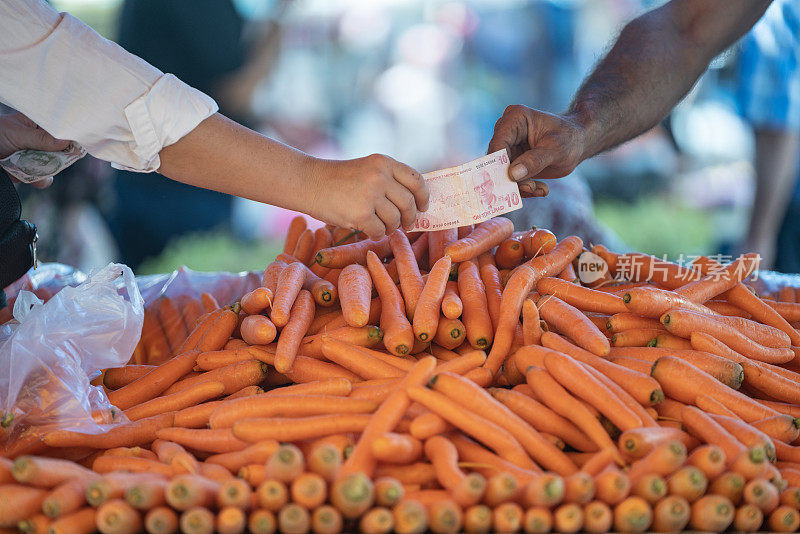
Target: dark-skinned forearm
656	60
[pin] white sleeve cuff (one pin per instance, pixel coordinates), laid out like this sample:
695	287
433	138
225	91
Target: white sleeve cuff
165	113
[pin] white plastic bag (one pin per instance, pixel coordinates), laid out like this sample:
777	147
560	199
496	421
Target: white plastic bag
49	351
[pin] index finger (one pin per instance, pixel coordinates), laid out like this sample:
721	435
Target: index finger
414	182
509	131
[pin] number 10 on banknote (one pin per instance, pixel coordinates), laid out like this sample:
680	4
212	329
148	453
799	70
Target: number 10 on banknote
469	194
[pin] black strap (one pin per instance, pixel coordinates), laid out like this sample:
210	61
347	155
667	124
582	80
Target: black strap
17	237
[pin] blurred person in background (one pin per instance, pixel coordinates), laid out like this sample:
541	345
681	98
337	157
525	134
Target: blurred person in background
769	99
203	43
655	61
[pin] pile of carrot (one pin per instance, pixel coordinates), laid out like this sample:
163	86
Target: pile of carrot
453	381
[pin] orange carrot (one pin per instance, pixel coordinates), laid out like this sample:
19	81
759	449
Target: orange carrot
580	382
641	387
377	521
326	520
341	256
386	418
573	324
190	396
612	486
707	428
518	287
684	382
352	494
298	428
257	330
308	490
66	498
493	287
597	517
452	306
711	513
410	517
509	253
489	433
560	401
633	515
710	459
671	514
578	488
154	382
543	418
682	323
294	330
286	405
582	298
19	502
234	376
171	321
477	400
411	283
209	440
650	487
688	482
122	435
154	339
256	301
450	333
427	311
484	237
538	241
637	337
304	247
80	522
545	490
358	360
568	518
355	288
218	333
147	493
118	517
627	321
117	377
398	335
290	283
297	226
47	472
720	279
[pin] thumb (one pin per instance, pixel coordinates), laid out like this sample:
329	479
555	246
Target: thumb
529	164
38	139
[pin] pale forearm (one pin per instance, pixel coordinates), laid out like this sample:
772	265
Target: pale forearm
654	63
224	156
376	193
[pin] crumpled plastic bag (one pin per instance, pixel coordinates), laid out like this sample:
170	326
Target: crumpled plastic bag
50	350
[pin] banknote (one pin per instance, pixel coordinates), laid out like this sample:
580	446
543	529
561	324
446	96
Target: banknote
30	166
469	194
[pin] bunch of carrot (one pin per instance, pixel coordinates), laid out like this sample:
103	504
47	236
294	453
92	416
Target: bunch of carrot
459	380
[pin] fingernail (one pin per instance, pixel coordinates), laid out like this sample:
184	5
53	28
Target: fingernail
518	172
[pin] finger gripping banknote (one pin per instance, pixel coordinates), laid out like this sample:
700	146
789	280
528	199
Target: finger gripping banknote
469	194
31	166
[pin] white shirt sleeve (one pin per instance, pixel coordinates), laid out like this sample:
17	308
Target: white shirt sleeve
81	87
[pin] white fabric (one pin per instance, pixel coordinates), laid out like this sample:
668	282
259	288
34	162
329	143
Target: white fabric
79	86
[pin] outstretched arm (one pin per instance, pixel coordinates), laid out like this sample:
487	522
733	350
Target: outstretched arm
654	63
376	194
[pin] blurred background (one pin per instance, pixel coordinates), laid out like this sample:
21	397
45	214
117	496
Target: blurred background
424	81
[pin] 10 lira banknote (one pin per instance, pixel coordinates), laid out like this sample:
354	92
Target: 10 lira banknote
469	194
